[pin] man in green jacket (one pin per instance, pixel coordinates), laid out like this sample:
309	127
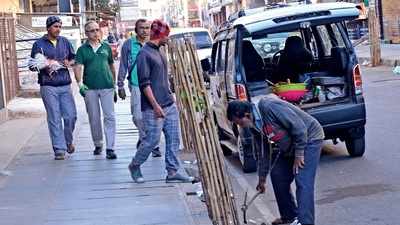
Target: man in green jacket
98	79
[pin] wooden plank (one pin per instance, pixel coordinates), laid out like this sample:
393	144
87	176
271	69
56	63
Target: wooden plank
375	43
200	132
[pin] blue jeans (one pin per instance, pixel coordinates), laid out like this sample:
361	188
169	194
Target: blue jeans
282	176
153	127
61	114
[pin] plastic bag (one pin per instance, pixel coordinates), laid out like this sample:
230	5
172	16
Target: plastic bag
396	70
40	62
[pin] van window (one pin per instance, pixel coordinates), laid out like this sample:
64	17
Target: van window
221	58
326	40
267	46
338	36
231	56
230	68
214	56
330	37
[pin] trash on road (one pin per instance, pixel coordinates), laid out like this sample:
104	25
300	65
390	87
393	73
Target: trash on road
396	70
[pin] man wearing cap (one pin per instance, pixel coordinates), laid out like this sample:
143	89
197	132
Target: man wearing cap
159	110
128	64
55	86
96	60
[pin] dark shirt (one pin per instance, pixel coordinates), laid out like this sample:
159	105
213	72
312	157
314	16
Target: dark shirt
153	71
288	126
63	50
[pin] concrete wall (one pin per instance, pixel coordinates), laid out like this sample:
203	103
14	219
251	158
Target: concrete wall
9	6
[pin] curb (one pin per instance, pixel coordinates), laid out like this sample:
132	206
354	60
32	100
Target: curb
384	62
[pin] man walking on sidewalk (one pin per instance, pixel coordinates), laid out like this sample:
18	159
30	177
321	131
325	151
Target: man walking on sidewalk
299	138
128	64
98	87
55	86
158	106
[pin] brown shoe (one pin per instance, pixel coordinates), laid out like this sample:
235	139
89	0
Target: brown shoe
282	221
70	148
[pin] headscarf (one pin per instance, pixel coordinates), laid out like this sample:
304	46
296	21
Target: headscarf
158	30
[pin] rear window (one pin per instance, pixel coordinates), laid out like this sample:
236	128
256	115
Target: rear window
331	37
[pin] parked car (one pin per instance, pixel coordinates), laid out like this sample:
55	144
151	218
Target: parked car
247	57
202	39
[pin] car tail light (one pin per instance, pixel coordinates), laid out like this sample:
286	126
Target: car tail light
241	92
357	79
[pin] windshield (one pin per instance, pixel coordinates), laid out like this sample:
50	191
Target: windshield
202	39
268	45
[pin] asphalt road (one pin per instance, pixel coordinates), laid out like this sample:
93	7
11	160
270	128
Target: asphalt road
353	191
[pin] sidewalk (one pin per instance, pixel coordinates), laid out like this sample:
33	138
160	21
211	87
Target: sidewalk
390	54
89	190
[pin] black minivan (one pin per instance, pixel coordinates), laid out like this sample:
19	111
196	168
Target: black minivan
304	43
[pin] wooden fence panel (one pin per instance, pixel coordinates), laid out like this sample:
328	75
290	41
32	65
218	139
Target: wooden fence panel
8	56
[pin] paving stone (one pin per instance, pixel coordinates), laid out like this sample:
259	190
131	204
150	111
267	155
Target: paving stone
89	190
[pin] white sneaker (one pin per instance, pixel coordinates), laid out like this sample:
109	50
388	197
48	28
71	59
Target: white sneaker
295	222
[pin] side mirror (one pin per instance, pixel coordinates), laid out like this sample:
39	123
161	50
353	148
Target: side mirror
205	65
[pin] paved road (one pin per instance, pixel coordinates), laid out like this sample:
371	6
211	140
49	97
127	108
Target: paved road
361	191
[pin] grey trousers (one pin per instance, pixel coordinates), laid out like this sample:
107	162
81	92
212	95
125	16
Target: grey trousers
136	110
61	114
104	98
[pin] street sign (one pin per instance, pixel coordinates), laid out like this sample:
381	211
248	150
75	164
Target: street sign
40	21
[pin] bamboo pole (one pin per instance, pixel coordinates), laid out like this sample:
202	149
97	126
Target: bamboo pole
200	133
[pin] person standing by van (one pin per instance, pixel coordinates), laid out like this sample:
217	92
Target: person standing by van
98	87
55	87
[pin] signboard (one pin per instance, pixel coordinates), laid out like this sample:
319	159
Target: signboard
40	21
129	3
129	13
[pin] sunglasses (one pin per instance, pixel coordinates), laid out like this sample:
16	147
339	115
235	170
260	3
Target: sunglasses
93	30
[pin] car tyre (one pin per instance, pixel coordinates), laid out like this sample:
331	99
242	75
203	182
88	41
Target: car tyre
355	146
246	153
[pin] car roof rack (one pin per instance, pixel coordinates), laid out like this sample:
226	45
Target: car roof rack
248	12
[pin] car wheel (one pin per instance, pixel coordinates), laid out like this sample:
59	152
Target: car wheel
355	146
246	153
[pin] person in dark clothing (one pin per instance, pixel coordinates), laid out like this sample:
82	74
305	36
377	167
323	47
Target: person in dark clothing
298	138
55	86
159	111
111	38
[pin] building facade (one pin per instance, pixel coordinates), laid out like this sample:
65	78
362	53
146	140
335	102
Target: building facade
390	20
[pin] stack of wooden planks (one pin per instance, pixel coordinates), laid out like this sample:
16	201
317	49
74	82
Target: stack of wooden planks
199	133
